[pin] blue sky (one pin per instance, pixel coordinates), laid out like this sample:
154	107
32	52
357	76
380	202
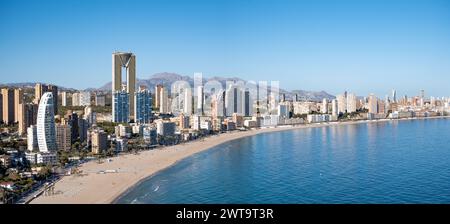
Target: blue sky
360	46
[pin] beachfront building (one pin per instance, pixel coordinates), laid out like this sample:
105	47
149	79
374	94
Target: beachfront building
121	145
63	137
334	108
184	122
150	135
317	118
143	106
165	128
46	124
304	107
351	103
99	141
341	103
373	104
121	107
123	131
283	110
200	100
233	100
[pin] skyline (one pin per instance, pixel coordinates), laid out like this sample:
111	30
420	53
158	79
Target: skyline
318	45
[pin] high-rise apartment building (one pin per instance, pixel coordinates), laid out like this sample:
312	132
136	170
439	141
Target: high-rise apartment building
334	108
99	141
187	101
121	111
64	99
46	124
233	100
156	100
200	100
100	100
373	104
85	98
143	106
351	103
248	103
18	99
342	103
8	105
164	101
63	137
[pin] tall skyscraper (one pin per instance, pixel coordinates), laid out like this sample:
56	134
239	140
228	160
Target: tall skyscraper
64	98
394	96
164	103
373	104
334	108
73	122
143	106
157	98
233	100
342	103
351	103
8	106
46	124
124	60
187	102
83	129
200	100
248	104
18	99
121	111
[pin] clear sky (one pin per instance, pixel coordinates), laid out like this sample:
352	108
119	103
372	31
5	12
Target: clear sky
361	46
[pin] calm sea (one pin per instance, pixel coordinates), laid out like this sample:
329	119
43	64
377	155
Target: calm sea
386	162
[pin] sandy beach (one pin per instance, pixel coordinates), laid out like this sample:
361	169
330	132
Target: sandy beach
96	188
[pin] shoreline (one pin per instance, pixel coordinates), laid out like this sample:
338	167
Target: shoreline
94	187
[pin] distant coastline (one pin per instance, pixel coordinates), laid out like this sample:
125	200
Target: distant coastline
132	170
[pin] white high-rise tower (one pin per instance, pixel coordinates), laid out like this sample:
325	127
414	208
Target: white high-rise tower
46	135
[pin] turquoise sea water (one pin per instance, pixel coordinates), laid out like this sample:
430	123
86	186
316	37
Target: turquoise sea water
385	162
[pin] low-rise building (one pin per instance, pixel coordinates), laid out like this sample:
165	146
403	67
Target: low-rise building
46	158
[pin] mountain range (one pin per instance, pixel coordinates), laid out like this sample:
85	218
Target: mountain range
167	79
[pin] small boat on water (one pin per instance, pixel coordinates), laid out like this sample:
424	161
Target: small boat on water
157	187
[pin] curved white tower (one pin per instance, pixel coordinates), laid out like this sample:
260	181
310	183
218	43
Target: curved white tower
46	124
